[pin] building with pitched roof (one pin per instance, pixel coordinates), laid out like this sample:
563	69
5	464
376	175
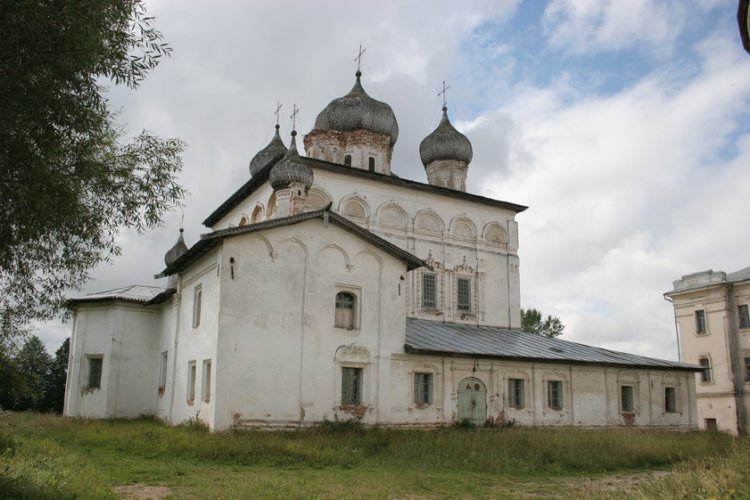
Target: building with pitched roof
712	316
329	288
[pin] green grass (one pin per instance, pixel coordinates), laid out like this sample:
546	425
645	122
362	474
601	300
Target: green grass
44	456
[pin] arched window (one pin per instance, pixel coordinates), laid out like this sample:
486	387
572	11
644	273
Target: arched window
348	160
344	310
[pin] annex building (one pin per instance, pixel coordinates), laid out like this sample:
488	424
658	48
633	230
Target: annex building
327	287
712	314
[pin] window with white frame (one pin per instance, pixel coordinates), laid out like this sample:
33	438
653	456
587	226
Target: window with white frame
706	375
197	299
700	321
516	393
206	381
163	371
670	399
423	388
94	375
744	316
429	290
463	289
191	382
351	386
627	399
345	307
555	394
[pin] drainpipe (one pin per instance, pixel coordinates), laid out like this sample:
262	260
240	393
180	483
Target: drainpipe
736	359
676	328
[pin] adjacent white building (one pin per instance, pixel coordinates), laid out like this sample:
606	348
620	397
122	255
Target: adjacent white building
712	315
327	287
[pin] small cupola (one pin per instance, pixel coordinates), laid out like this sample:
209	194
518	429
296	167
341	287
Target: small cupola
290	179
172	255
268	155
446	154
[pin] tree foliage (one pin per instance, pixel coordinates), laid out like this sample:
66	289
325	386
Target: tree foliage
69	179
532	321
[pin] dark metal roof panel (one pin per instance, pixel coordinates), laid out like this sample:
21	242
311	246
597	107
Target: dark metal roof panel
487	341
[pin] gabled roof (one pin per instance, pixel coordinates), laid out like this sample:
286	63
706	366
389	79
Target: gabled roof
452	339
261	177
210	240
136	294
741	275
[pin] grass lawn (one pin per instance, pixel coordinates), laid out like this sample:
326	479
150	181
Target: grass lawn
44	456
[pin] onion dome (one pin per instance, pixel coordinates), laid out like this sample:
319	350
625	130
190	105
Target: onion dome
445	143
357	110
268	155
176	251
291	169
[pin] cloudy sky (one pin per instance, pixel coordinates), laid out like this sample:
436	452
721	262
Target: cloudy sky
623	125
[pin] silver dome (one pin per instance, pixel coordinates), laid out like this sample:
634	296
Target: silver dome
290	169
445	143
268	155
357	110
176	251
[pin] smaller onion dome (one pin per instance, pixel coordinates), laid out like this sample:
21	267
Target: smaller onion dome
268	155
445	143
176	251
357	110
291	169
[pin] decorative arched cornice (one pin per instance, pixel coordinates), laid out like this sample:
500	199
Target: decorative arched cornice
343	253
427	214
354	198
462	220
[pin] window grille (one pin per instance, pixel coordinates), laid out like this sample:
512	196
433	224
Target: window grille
516	392
744	315
464	294
670	399
95	373
626	398
555	394
344	310
429	291
423	388
700	321
351	386
197	298
706	373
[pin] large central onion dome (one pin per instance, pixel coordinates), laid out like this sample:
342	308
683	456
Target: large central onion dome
445	143
268	155
291	169
357	110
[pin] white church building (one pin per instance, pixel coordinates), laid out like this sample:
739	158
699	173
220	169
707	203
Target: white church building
327	287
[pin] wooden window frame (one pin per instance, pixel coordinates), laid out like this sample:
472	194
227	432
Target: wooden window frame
555	395
423	388
517	393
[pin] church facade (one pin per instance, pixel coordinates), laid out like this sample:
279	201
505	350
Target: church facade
329	288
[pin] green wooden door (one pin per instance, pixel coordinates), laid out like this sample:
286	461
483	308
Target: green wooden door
472	401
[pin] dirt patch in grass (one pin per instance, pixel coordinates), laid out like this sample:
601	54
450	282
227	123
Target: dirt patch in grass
140	491
616	483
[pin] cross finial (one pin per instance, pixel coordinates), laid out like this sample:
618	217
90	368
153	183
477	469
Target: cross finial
295	110
278	109
359	57
444	94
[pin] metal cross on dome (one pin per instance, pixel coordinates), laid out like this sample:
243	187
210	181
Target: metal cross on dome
278	109
295	110
444	92
359	56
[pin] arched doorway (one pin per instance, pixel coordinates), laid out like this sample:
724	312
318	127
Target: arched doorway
472	401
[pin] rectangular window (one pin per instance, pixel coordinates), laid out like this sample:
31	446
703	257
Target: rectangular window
423	388
163	371
206	381
197	298
700	321
345	303
555	394
429	290
744	316
747	369
348	160
351	386
706	375
516	392
371	164
711	424
191	383
670	399
94	379
627	403
464	294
